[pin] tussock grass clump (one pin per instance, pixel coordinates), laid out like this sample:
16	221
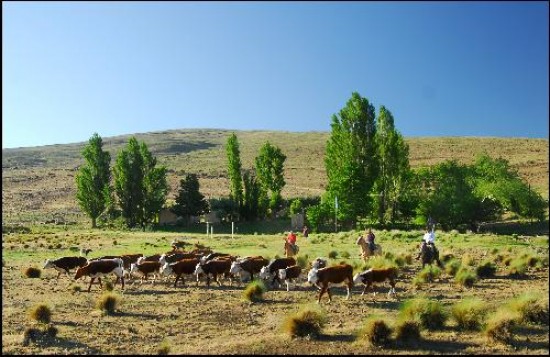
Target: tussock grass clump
500	324
309	321
254	291
531	307
452	267
333	254
379	262
108	303
517	268
468	260
41	313
428	313
486	269
447	257
375	331
531	260
389	255
345	254
399	260
406	330
164	348
469	313
466	277
32	272
429	273
507	261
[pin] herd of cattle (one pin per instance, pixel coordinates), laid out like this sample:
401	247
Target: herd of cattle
203	262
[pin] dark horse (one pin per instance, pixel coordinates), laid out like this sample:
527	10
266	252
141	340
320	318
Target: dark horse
429	254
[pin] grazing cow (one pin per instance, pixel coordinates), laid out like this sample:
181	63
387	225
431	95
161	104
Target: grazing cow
215	267
335	274
99	268
183	266
248	266
174	257
371	276
146	268
289	274
65	264
270	271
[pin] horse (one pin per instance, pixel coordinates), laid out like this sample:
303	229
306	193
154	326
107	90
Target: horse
365	250
289	251
429	254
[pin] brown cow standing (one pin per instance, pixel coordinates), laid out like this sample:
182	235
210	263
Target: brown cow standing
218	266
248	265
335	274
184	266
99	268
371	276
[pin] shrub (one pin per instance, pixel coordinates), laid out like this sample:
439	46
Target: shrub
407	330
452	267
32	272
466	277
518	268
429	273
164	348
254	291
531	307
333	254
108	303
41	313
486	269
309	321
469	313
499	325
375	331
428	313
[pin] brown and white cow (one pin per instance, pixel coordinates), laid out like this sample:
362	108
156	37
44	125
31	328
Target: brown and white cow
65	264
270	271
214	267
248	266
289	274
146	268
371	276
149	258
98	268
184	266
336	274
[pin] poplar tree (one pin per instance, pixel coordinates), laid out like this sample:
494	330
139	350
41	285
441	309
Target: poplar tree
270	169
92	179
234	171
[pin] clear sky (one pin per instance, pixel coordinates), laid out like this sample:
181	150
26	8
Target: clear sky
442	69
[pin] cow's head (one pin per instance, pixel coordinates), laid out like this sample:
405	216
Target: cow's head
166	269
282	274
198	269
319	263
235	268
79	273
312	276
357	279
133	268
264	273
48	264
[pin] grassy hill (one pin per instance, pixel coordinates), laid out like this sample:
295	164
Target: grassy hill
38	182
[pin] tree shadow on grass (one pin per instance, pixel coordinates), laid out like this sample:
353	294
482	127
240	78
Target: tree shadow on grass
64	343
424	344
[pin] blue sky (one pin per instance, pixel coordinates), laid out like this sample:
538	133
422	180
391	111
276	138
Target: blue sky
442	69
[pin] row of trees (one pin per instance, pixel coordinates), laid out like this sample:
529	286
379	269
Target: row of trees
139	186
367	164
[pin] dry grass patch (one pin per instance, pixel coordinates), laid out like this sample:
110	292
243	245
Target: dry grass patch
375	331
465	277
500	324
469	313
309	321
254	291
429	313
531	307
108	303
41	313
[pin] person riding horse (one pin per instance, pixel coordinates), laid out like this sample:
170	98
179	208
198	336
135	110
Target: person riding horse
370	240
291	239
428	243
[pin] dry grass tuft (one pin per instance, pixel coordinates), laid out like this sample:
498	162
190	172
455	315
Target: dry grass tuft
465	277
108	302
486	269
500	324
376	332
254	291
469	313
164	348
429	313
406	330
309	321
531	307
32	272
41	313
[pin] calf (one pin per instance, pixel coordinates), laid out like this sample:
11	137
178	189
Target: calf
270	271
248	266
371	276
335	274
145	268
65	264
99	268
184	266
214	267
289	273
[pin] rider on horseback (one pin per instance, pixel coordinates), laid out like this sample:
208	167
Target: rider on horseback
291	239
370	240
428	241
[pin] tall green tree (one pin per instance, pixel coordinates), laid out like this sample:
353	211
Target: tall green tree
393	160
255	199
140	185
351	162
270	168
93	179
189	201
234	171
